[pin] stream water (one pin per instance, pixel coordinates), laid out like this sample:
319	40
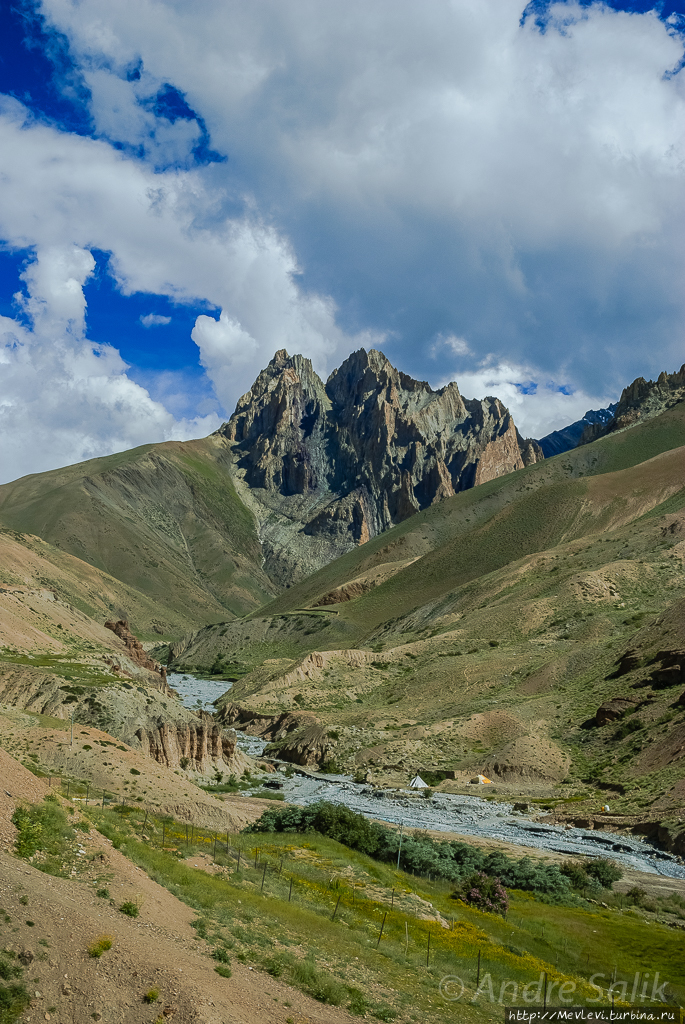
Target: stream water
196	693
444	812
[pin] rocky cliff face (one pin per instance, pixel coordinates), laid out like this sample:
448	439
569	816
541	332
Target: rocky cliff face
298	737
137	654
327	467
142	716
641	400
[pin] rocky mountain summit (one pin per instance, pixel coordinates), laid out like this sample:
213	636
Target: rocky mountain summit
641	400
342	462
568	437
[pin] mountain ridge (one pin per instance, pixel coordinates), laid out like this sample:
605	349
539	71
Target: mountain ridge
344	461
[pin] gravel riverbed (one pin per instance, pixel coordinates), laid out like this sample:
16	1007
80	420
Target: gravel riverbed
473	816
443	812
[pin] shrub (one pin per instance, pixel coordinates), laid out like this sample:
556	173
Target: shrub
104	894
605	871
8	969
100	946
134	771
43	828
151	996
319	984
130	908
485	893
13	1001
220	954
185	761
452	861
576	874
223	970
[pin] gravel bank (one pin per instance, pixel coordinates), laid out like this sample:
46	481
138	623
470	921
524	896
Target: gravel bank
473	816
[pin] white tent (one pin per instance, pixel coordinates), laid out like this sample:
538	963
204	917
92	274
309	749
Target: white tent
418	783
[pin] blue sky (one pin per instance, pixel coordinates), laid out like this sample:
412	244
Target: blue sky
489	192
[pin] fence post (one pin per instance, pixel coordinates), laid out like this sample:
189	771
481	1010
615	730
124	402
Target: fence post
428	950
263	877
406	936
163	834
478	972
238	865
291	890
544	998
380	934
336	908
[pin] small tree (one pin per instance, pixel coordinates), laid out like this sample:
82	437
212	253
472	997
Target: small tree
481	891
605	871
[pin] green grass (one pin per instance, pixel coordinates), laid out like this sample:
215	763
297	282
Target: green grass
100	946
45	836
341	960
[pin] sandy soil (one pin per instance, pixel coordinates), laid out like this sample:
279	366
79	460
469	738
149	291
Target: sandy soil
123	772
157	950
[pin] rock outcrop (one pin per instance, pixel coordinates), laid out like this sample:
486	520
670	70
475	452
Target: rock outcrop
641	400
297	737
341	462
135	651
141	716
614	708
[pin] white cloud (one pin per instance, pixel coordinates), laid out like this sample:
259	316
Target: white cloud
537	408
527	185
63	195
154	320
457	346
437	171
64	399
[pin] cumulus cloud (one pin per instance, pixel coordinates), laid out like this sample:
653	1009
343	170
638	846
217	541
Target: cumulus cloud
538	407
154	320
500	203
64	399
443	170
64	195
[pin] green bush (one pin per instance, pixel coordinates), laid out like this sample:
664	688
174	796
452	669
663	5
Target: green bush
594	875
14	999
424	856
224	971
151	996
130	909
319	984
605	871
43	828
485	893
100	946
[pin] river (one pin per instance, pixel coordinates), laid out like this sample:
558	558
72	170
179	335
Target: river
443	812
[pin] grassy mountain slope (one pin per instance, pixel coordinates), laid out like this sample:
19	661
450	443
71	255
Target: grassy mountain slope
163	519
53	603
495	639
484	528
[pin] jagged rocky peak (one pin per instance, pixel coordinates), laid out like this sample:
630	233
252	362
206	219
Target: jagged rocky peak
348	459
641	400
279	423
